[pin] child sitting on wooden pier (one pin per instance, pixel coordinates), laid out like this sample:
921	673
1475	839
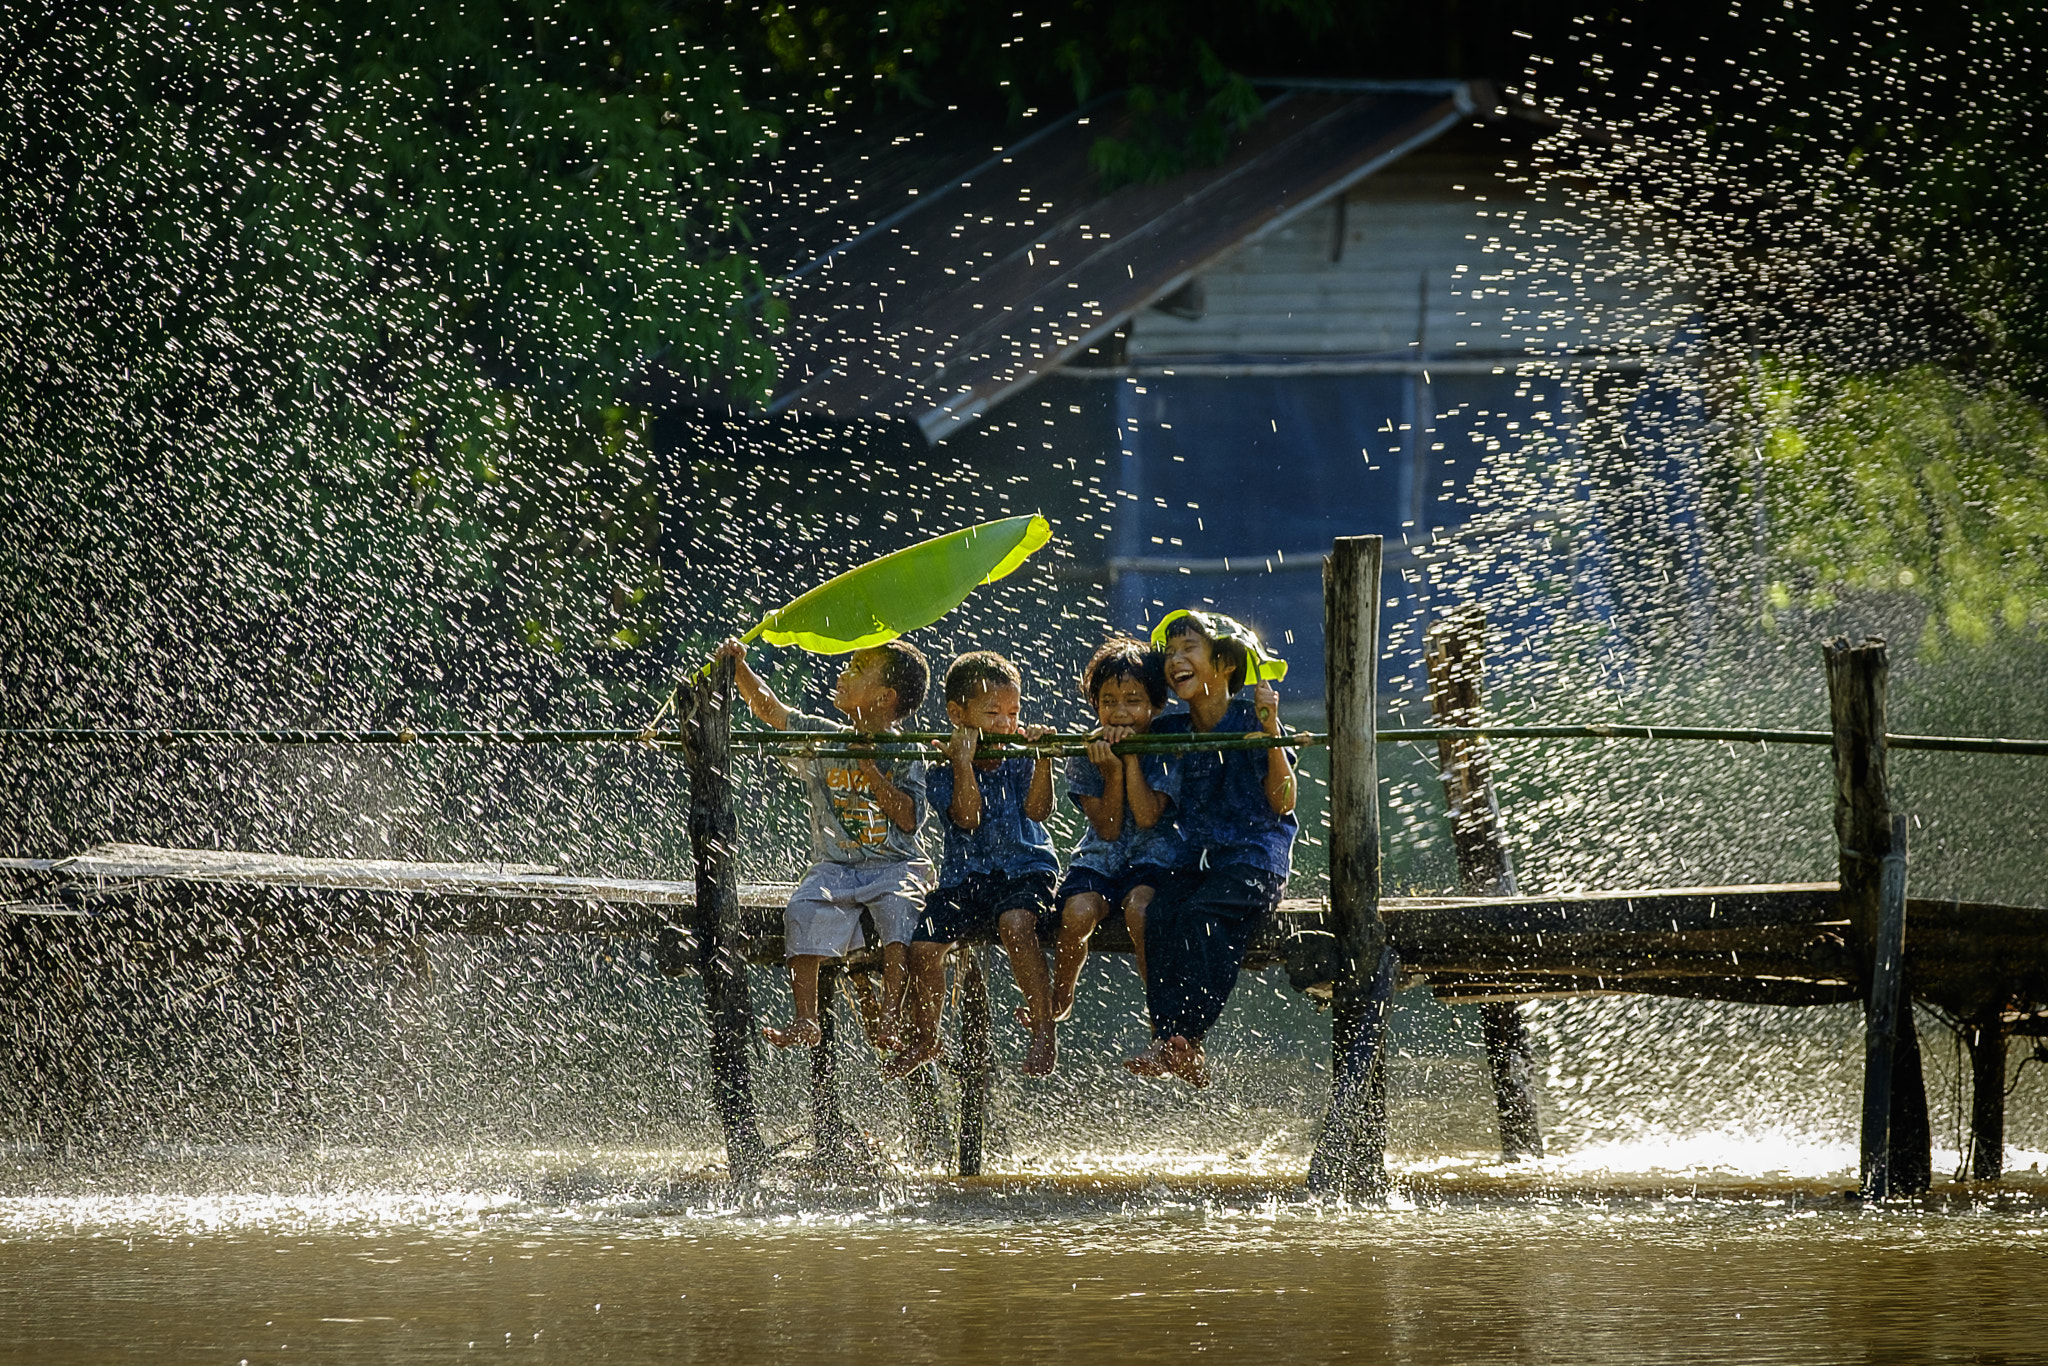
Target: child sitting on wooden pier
865	815
1128	844
1234	811
998	867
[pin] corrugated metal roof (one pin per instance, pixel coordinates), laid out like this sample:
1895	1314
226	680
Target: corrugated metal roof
940	313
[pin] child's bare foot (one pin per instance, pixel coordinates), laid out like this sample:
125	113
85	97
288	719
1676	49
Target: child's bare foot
912	1056
801	1033
1150	1063
1185	1060
885	1035
1043	1055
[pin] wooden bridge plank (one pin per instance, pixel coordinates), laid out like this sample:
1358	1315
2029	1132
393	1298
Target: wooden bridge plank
1785	937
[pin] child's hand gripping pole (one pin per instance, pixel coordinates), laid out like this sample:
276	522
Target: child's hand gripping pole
648	731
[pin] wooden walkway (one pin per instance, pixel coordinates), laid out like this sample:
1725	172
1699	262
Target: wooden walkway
1771	944
1864	939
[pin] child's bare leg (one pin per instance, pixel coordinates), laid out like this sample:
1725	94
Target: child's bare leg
1134	921
895	971
804	1031
1158	1060
1078	919
1019	930
927	982
867	1002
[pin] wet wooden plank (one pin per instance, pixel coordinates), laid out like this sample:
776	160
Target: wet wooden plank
1656	940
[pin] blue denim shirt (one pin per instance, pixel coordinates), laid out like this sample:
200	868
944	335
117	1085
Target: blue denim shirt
1220	806
1007	841
1158	847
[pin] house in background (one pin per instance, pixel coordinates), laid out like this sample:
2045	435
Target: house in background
1360	321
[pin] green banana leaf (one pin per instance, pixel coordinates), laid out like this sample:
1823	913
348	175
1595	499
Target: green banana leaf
902	591
1265	666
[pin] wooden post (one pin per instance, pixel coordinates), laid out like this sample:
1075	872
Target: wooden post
1881	1018
1857	677
1455	652
719	932
930	1138
1986	1037
303	1113
977	1059
1348	1158
47	969
837	1148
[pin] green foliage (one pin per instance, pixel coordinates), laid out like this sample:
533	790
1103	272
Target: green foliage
354	297
1956	181
1181	64
1170	133
1916	481
1865	181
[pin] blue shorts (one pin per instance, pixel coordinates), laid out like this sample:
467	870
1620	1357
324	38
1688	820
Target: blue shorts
972	906
1084	881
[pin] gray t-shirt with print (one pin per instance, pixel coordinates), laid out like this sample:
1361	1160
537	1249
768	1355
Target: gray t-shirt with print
847	823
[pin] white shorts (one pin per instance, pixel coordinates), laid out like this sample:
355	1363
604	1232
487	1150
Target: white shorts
823	915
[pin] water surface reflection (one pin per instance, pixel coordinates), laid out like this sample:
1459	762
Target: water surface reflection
641	1256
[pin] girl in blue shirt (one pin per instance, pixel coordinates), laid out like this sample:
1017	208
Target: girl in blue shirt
1234	810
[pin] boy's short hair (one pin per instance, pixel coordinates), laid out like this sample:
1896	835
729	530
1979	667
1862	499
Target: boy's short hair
978	669
1123	657
1231	655
908	672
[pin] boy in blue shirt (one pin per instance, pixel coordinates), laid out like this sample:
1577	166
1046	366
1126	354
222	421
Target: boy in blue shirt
865	815
1235	814
1129	842
998	867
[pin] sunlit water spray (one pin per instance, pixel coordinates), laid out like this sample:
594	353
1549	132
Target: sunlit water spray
422	550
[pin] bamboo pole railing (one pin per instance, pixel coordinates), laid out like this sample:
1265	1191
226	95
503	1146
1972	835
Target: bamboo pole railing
837	744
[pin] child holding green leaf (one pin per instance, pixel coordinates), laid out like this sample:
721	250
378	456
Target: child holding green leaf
865	815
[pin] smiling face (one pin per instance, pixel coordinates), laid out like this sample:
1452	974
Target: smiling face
1123	701
993	710
1192	669
860	694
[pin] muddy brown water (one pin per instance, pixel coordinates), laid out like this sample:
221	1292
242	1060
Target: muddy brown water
641	1256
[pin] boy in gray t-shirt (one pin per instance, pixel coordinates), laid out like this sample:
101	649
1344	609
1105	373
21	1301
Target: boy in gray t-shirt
865	815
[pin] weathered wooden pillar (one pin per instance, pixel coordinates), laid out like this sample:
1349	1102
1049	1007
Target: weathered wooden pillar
1455	653
297	1092
1881	1017
930	1137
719	933
977	1059
1857	677
1986	1037
837	1147
1349	1157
